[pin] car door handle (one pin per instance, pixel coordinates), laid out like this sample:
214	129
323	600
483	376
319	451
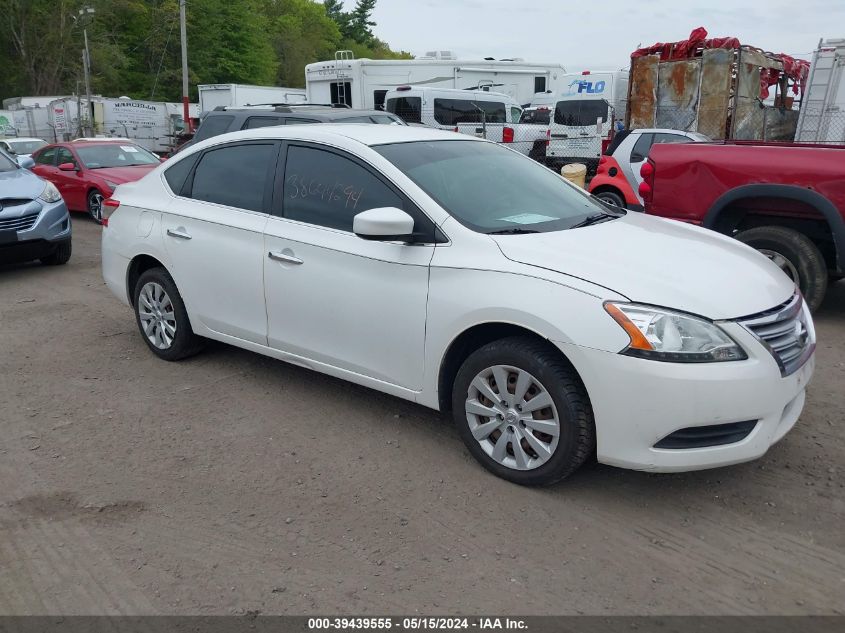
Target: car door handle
284	257
180	233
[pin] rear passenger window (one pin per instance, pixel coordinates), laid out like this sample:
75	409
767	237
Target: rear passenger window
262	121
235	175
453	111
326	189
178	173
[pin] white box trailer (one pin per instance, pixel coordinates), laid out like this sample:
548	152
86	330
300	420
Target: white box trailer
151	124
232	95
822	115
363	83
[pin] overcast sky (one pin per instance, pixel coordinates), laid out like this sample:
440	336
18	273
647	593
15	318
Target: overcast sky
601	34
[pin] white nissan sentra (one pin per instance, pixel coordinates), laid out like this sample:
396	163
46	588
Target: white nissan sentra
461	275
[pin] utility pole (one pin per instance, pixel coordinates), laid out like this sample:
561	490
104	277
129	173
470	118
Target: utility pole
183	33
86	64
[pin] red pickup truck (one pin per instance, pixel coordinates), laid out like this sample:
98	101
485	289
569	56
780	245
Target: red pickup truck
785	200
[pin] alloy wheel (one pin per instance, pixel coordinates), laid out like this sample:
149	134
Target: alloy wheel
95	206
157	315
513	417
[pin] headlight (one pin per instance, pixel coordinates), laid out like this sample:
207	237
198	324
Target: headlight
112	185
665	335
50	193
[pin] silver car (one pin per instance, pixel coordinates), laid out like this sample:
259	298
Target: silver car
34	221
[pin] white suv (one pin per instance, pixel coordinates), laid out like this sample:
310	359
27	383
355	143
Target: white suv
461	275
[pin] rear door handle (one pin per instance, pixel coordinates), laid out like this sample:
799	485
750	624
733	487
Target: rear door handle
284	257
180	233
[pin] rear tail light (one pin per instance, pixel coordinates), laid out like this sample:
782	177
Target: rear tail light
548	137
646	188
110	205
456	129
507	135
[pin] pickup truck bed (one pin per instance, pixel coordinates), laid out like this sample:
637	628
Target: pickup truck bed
786	200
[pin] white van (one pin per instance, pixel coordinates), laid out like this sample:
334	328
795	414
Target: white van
459	110
584	116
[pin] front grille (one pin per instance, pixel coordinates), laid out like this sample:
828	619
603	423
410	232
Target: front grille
18	224
13	202
704	436
783	331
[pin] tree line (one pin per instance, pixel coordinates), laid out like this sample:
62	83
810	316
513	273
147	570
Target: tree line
135	49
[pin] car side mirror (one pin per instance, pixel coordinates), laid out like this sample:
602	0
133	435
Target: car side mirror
386	224
26	162
67	167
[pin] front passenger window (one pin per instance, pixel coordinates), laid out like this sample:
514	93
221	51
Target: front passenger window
326	189
235	175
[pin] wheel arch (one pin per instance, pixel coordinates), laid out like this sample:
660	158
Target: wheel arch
473	338
137	267
716	215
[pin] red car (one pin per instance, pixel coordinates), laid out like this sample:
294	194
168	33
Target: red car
87	171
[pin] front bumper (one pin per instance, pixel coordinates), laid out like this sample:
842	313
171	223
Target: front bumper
51	228
639	402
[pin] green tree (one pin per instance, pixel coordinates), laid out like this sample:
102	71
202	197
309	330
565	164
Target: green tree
361	22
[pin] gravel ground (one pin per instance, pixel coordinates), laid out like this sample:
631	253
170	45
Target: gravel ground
232	483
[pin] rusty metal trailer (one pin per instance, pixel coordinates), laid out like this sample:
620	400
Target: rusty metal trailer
715	87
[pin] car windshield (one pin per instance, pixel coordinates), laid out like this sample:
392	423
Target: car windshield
6	163
26	147
492	189
115	155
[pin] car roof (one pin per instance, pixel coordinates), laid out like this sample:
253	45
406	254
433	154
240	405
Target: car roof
363	133
315	112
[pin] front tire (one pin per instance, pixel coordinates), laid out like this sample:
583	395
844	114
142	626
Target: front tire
59	256
523	412
796	255
161	317
95	205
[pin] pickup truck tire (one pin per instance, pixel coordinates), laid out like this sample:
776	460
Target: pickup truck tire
802	258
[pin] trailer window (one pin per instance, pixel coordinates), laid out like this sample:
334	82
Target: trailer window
454	111
581	113
539	84
407	108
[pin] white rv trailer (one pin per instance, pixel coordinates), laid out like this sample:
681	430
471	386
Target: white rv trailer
822	115
363	83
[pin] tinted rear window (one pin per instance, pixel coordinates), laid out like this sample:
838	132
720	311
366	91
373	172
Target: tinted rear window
247	165
581	113
213	125
541	117
408	108
454	111
178	173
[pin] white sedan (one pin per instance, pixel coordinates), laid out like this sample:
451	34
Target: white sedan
461	275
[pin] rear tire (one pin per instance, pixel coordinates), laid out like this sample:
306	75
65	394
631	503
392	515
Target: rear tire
796	255
568	414
161	317
612	198
59	256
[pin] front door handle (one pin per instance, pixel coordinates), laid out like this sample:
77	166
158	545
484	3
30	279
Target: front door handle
180	233
288	258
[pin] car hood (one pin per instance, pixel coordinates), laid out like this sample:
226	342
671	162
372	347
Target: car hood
20	183
659	262
120	175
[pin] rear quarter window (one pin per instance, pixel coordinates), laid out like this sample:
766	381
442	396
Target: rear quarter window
177	174
213	125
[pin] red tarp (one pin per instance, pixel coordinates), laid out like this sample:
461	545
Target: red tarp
796	69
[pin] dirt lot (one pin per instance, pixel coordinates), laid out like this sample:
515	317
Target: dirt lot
233	483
